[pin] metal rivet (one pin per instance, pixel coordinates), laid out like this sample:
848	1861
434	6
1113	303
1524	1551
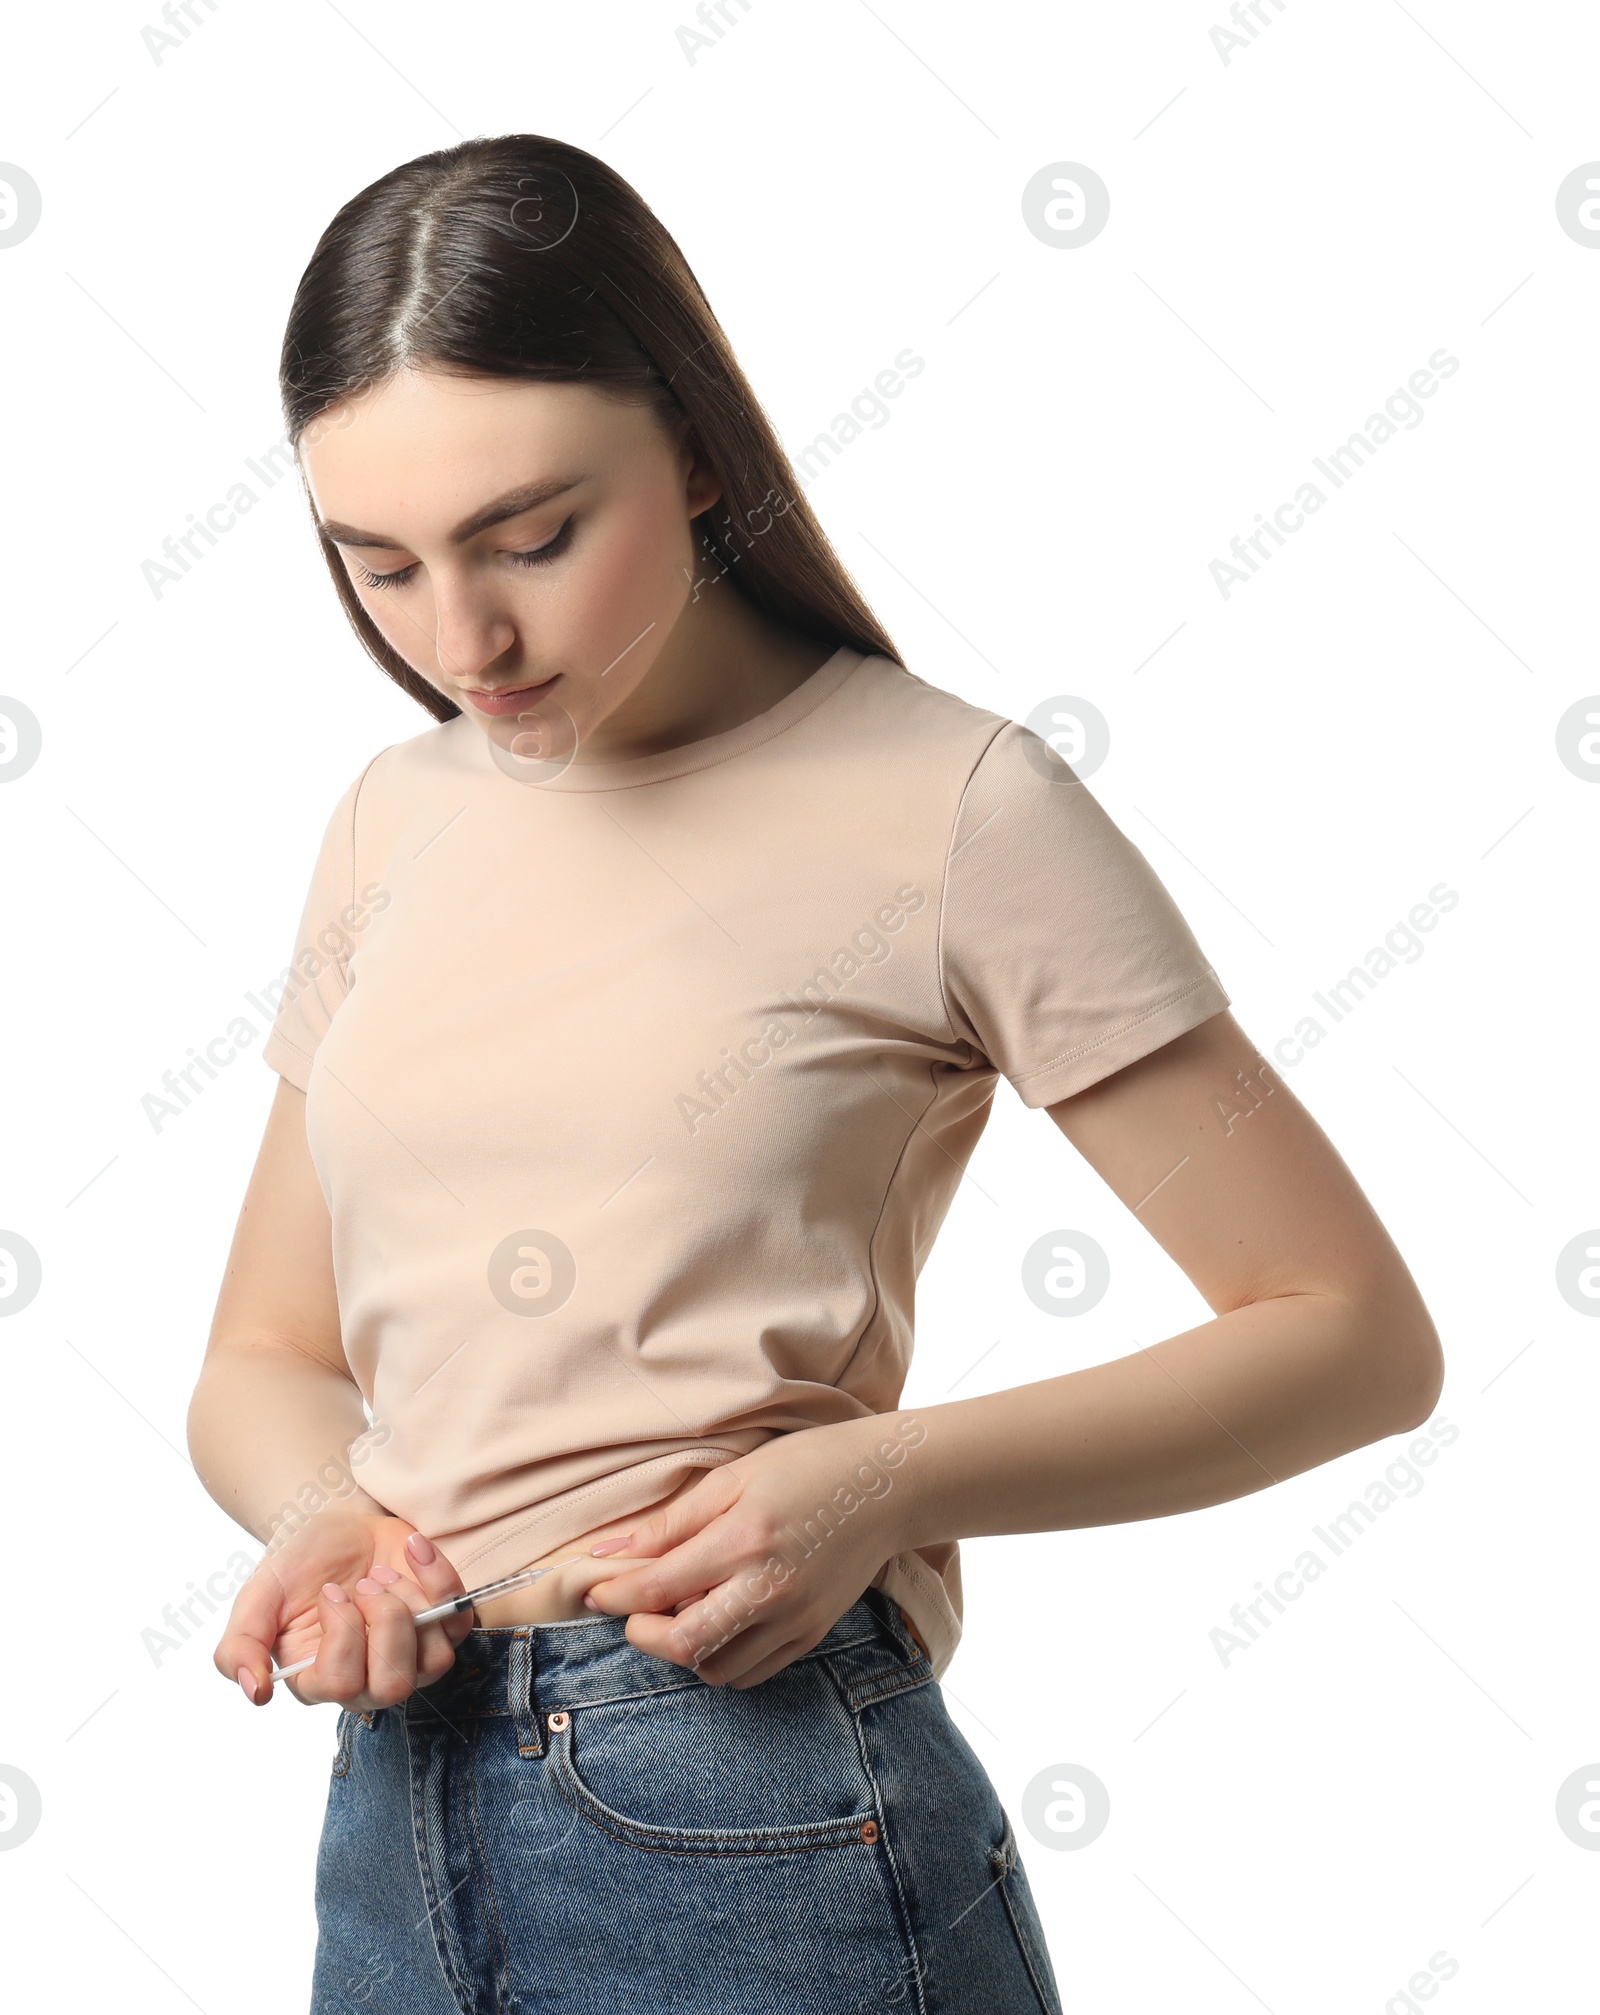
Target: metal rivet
558	1720
869	1830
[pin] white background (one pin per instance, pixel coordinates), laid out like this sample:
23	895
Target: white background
1292	233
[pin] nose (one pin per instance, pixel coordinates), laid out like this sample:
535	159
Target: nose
471	632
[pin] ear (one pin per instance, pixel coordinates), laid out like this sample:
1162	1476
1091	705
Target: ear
701	488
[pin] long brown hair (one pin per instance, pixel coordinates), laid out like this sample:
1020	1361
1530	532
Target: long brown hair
522	257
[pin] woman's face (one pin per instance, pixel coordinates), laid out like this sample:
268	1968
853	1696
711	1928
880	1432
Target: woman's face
526	547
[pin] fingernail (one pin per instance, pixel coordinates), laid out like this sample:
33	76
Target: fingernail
590	1603
421	1550
385	1575
247	1680
334	1592
612	1545
366	1586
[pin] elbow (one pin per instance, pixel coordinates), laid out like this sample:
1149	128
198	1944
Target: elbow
1387	1360
1414	1362
198	1437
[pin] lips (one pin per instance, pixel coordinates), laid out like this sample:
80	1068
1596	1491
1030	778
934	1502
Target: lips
511	699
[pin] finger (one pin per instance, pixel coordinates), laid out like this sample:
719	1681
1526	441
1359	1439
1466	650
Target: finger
705	1560
700	1637
340	1670
391	1643
744	1656
434	1651
786	1654
431	1571
661	1638
244	1650
573	1581
683	1517
728	1634
439	1581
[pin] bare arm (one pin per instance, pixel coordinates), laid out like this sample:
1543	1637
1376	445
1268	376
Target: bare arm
270	1426
275	1408
1321	1342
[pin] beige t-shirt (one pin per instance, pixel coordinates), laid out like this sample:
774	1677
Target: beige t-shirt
639	1093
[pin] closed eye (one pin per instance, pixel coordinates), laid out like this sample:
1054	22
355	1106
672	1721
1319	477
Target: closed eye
536	556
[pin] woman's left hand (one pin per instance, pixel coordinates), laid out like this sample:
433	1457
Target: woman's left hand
767	1552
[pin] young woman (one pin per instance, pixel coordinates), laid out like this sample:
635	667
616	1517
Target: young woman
645	1011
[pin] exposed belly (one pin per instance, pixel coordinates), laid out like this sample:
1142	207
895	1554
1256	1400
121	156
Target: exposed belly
559	1596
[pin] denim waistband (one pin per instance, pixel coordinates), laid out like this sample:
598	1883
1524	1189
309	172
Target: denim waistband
529	1670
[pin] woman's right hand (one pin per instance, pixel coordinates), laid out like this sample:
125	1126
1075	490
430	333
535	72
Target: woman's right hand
347	1589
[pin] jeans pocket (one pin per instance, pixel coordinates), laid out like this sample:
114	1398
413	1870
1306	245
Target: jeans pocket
768	1769
1028	1931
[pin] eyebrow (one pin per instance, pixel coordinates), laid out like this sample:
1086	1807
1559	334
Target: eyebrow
511	505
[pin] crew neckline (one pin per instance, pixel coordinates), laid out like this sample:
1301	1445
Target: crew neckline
625	772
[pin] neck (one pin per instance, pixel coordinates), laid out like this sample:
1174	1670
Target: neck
722	664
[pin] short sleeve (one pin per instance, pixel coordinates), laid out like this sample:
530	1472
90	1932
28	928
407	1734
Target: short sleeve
316	979
1062	955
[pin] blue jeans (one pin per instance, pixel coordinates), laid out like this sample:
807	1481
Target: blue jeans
563	1822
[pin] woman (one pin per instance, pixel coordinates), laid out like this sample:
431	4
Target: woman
645	1011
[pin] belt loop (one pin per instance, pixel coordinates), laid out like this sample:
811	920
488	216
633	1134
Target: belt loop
520	1695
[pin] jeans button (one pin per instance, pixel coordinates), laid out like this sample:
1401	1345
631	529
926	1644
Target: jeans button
557	1721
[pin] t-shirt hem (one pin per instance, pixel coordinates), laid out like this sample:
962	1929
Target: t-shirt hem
503	1545
481	1554
1076	1069
908	1580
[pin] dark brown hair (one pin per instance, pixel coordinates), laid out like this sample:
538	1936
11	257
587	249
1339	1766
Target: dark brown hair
522	257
